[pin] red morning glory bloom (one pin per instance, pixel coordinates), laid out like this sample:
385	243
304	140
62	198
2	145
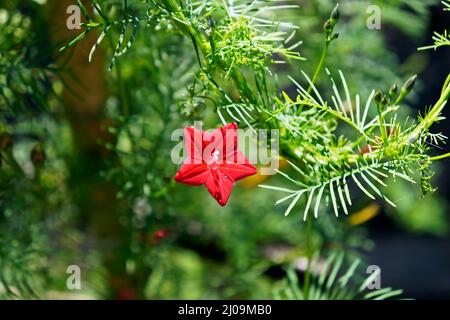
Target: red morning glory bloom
213	159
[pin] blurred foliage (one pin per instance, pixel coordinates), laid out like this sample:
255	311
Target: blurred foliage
333	282
190	247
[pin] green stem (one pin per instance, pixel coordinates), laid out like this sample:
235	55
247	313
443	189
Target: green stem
381	123
185	26
242	84
431	117
309	251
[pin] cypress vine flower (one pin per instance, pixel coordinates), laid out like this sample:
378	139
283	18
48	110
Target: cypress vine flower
213	160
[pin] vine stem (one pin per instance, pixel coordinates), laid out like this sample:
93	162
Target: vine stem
309	251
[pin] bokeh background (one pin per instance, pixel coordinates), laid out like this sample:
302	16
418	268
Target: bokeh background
86	177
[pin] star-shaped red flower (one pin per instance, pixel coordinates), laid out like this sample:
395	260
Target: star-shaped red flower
213	159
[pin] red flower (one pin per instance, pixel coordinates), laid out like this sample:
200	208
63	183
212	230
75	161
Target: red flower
213	160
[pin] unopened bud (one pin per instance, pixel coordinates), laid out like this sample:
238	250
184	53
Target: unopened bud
335	15
406	89
378	97
328	27
393	90
409	85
